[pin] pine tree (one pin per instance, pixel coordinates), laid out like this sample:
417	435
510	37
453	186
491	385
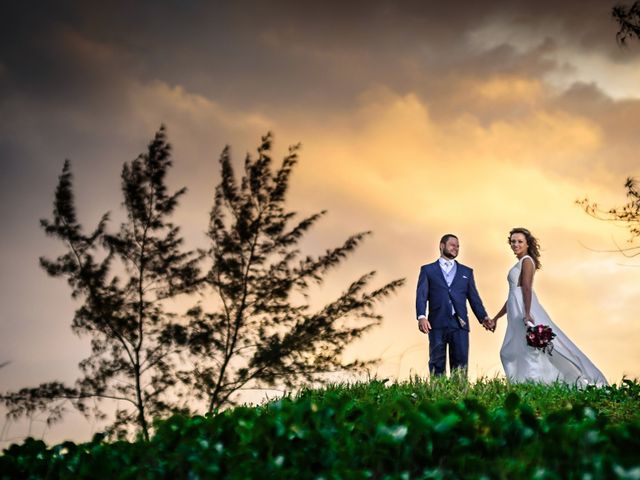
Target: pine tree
628	19
628	215
134	339
153	362
265	333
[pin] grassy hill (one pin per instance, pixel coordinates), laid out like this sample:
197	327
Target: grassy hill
437	429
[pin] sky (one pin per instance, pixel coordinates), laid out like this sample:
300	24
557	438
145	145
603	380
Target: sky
416	118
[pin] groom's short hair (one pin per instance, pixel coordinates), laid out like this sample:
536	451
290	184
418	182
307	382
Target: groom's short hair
445	238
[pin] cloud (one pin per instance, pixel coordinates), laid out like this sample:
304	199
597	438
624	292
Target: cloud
416	118
390	167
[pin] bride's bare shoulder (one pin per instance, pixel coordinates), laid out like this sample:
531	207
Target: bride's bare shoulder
527	257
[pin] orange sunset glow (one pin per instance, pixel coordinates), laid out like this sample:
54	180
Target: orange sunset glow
415	118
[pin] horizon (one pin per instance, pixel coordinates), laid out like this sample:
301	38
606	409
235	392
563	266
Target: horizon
415	119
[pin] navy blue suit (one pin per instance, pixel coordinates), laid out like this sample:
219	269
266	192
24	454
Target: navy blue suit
448	314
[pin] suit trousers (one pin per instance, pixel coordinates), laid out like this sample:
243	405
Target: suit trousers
454	337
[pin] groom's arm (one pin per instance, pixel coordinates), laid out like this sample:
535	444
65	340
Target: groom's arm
474	300
422	293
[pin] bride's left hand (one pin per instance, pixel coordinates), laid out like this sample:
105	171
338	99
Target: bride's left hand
528	320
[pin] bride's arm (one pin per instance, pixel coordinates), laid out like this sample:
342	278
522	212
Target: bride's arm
526	279
502	311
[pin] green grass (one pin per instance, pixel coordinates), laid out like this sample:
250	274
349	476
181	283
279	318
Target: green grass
620	402
444	428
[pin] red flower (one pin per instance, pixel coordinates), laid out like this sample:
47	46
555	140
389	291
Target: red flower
540	337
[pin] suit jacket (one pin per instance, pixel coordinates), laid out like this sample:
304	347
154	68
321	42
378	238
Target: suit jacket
434	291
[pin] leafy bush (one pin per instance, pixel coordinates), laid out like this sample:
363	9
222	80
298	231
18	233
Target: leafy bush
437	429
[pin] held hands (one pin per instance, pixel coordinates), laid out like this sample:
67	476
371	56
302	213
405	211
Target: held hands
489	324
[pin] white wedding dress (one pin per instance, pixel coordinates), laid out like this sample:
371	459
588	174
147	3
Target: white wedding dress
524	363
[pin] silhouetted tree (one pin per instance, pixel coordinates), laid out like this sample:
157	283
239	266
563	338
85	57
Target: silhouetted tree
628	19
628	215
134	339
265	332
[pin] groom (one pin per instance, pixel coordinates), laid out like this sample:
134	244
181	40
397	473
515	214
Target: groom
446	285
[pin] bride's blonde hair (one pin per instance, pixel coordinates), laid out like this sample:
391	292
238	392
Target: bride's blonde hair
533	249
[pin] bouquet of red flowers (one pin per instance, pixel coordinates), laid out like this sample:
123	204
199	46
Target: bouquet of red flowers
540	337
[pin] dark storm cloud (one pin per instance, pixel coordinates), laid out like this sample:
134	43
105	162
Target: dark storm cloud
46	57
68	70
58	89
315	52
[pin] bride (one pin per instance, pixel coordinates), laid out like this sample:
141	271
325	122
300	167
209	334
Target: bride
521	362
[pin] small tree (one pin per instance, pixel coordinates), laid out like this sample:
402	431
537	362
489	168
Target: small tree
628	19
265	332
628	215
134	340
